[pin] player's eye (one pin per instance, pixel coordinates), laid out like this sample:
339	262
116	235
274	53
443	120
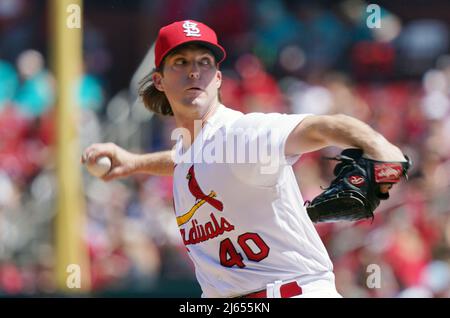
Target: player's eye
206	61
179	61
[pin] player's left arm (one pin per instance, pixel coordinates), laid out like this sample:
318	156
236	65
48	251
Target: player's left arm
319	131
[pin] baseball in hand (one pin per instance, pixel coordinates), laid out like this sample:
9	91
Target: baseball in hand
100	168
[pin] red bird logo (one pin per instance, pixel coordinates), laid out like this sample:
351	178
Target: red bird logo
197	192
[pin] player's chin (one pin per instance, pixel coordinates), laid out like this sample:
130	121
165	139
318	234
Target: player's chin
198	102
193	94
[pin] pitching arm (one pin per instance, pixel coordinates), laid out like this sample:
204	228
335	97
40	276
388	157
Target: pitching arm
317	132
125	163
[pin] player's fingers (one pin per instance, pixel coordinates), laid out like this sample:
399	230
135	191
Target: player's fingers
385	187
94	151
88	153
114	173
90	156
93	155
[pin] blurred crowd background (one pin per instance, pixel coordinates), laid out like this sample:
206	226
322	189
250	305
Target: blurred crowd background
283	56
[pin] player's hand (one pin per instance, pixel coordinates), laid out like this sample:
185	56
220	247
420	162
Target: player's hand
385	187
386	152
124	163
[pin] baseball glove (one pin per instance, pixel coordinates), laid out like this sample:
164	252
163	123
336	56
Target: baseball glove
355	192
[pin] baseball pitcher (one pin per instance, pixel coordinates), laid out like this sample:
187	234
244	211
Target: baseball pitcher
238	207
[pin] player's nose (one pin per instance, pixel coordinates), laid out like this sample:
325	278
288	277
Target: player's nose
194	71
194	74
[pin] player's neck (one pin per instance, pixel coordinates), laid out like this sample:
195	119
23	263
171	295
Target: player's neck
194	124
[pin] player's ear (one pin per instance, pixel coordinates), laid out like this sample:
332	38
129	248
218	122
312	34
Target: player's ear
218	79
157	79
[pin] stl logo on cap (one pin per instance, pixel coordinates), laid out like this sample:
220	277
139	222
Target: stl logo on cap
186	31
190	28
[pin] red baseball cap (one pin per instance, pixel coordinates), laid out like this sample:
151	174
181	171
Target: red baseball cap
187	31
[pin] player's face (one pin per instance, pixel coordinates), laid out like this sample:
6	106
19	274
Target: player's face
191	81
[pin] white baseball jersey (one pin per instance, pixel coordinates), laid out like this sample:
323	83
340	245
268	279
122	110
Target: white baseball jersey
244	226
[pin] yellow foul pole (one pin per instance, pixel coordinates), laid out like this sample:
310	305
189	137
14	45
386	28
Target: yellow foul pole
72	271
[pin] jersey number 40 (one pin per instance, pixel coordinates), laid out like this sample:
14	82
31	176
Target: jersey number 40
229	256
